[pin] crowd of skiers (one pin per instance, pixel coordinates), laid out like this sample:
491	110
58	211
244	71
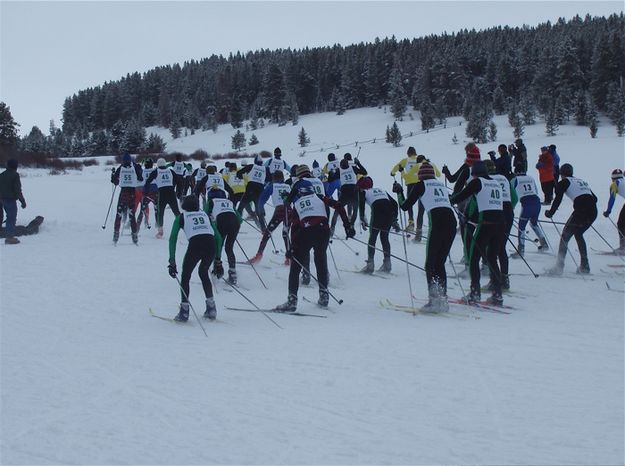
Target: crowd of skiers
480	204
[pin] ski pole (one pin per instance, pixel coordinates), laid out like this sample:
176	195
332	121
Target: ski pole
110	204
248	261
567	247
191	306
601	236
252	225
347	246
615	226
325	288
457	276
402	219
334	262
391	254
521	256
251	302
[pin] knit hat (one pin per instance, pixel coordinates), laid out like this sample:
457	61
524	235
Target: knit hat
278	176
365	183
411	151
479	168
347	156
258	160
315	164
420	158
12	164
473	153
490	167
126	158
331	157
617	173
302	171
277	152
160	163
566	170
344	164
426	172
191	203
502	148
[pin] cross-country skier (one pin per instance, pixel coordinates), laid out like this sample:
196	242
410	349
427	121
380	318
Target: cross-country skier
617	187
584	214
211	180
166	179
383	216
276	163
316	170
126	176
181	171
197	176
405	167
278	191
348	196
489	233
257	175
332	174
310	230
228	222
527	192
203	244
413	174
510	200
433	194
149	195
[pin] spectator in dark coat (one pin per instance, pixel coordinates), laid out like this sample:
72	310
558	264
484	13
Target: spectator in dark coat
503	164
10	193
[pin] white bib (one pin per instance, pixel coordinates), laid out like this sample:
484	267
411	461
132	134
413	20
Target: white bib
215	179
317	185
410	164
199	174
435	195
374	194
196	223
164	177
489	197
127	177
526	186
279	193
620	185
577	188
179	168
505	187
146	174
257	174
347	176
332	166
310	206
316	172
221	206
275	165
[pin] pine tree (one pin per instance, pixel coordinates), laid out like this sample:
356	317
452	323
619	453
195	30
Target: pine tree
492	131
134	138
580	108
427	116
477	126
174	128
551	122
302	137
516	122
238	140
35	141
236	112
155	144
528	111
499	101
593	123
393	135
8	126
616	108
396	94
253	140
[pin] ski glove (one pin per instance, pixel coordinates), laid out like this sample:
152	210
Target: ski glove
350	232
218	268
445	170
397	188
606	214
363	225
289	253
548	214
172	268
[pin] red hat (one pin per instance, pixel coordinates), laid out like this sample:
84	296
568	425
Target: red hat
365	183
473	153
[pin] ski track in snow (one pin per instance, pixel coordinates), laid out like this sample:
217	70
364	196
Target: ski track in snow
89	377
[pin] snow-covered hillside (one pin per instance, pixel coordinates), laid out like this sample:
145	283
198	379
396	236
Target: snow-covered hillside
89	377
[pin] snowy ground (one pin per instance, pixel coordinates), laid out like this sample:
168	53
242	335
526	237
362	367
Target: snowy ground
88	377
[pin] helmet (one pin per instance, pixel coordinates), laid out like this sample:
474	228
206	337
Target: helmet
365	183
617	173
160	163
566	170
191	203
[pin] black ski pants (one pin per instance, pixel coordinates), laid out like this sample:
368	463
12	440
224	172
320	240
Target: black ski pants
348	197
383	214
228	226
620	224
166	197
440	239
580	220
201	249
316	238
508	214
488	238
252	194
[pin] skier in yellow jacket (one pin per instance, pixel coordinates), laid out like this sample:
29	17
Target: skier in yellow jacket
410	178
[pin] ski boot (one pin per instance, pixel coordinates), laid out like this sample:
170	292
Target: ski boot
135	238
518	253
11	240
115	237
324	298
232	276
386	265
183	314
211	310
256	259
473	297
159	233
305	278
495	299
433	304
505	282
396	227
584	267
543	246
289	306
410	227
369	268
418	235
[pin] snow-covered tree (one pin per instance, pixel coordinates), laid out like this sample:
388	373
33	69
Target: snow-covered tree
302	137
238	140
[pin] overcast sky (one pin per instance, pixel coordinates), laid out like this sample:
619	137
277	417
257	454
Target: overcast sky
50	50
